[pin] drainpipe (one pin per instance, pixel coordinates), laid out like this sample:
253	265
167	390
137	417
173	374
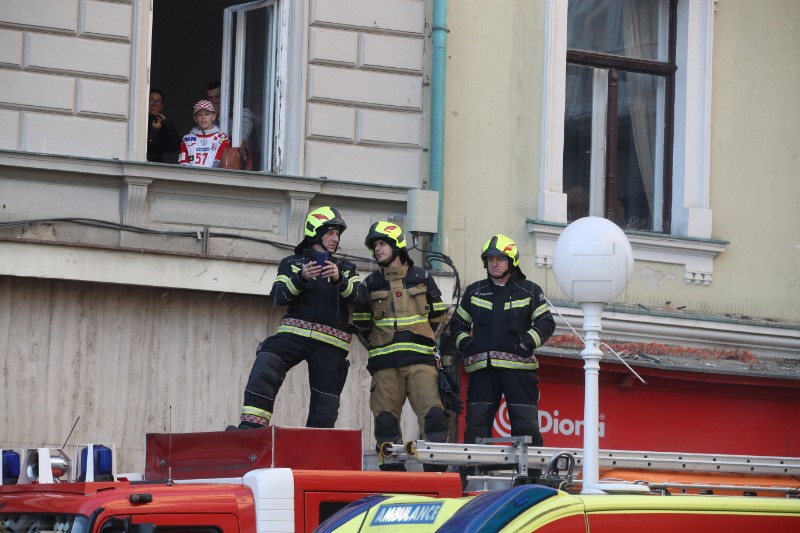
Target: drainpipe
439	64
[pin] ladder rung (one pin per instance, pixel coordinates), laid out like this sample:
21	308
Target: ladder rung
488	454
731	488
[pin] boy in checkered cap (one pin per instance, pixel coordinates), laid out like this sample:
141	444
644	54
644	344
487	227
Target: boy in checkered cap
205	144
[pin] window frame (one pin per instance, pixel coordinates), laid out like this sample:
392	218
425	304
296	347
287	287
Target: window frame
288	141
613	65
232	79
689	241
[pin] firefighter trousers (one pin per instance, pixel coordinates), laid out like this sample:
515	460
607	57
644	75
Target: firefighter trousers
485	389
327	372
388	392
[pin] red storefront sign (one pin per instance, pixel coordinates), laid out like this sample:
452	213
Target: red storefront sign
676	411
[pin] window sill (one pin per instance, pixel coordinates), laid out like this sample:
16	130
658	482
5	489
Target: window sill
696	255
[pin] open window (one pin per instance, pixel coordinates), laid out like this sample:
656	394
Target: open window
230	41
248	78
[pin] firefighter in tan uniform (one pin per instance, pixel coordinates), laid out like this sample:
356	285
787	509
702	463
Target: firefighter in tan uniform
400	310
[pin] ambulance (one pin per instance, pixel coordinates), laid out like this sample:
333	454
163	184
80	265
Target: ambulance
510	488
528	508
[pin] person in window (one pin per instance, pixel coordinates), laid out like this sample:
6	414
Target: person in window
498	324
400	309
213	91
317	290
161	133
205	144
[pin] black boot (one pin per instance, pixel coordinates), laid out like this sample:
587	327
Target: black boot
245	425
392	467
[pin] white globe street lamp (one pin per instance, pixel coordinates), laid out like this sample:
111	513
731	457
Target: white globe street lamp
592	262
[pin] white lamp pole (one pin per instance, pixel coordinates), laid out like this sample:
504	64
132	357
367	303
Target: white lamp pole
591	355
592	262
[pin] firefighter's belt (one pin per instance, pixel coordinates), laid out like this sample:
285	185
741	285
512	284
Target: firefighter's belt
313	326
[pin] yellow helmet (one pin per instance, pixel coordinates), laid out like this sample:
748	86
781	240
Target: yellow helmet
323	217
385	231
501	245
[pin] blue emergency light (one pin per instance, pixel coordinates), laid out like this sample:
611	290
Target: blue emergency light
103	463
490	511
11	463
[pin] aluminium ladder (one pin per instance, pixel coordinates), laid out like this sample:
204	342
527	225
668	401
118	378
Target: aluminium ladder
515	454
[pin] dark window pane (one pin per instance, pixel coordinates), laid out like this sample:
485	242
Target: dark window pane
256	64
640	136
578	141
628	28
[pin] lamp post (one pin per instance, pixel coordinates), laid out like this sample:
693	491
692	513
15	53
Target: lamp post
592	262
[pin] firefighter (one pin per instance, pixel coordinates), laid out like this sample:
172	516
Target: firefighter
317	288
400	310
499	323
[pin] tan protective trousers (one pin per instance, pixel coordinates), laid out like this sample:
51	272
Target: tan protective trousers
391	386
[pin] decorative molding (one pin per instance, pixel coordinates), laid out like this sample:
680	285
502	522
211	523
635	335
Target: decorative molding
691	212
298	209
71	169
134	198
137	267
152	268
710	332
552	200
696	255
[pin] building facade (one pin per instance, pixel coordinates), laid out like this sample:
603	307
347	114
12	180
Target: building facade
133	294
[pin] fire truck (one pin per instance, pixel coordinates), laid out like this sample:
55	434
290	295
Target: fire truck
266	480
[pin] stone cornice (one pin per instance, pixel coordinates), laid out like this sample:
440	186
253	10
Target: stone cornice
65	168
763	340
696	255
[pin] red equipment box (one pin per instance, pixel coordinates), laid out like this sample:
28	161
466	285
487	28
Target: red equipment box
224	454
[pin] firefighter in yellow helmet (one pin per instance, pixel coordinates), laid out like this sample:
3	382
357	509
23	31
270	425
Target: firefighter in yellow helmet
317	288
400	310
500	321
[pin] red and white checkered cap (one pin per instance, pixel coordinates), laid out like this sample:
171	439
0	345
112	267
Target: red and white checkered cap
203	104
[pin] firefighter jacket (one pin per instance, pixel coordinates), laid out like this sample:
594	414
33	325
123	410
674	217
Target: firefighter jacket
318	308
398	314
507	323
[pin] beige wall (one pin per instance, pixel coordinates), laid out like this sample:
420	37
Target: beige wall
493	133
365	91
492	127
755	157
66	77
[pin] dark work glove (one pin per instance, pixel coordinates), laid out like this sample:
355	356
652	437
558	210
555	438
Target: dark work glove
523	341
448	391
466	346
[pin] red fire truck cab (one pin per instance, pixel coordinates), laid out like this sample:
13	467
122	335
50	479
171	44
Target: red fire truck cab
277	479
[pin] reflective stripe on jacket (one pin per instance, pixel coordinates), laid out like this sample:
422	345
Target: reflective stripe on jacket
317	308
501	326
398	313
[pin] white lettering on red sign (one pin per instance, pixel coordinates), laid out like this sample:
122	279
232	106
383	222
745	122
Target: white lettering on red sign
551	423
